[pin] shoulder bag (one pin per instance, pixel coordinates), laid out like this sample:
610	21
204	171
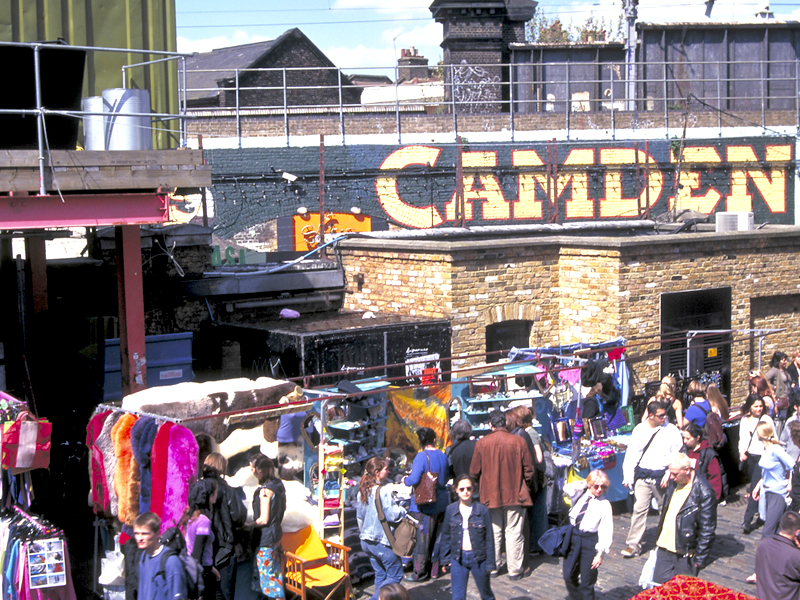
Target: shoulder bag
404	537
426	490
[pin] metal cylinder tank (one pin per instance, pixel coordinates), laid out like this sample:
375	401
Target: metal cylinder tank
124	130
94	126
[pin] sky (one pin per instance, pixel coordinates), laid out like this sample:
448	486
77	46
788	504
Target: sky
362	35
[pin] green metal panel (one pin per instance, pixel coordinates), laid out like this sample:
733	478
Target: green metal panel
139	24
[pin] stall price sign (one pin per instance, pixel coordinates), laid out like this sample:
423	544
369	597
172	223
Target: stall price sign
46	565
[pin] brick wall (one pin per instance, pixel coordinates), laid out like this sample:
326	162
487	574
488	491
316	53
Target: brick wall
585	289
386	123
319	85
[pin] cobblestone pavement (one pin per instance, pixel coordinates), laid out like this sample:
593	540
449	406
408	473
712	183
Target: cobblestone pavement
732	560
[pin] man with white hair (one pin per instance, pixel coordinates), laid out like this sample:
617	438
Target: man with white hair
688	522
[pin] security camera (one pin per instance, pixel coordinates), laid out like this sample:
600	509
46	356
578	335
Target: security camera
289	177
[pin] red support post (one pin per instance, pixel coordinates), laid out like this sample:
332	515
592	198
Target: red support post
37	256
130	297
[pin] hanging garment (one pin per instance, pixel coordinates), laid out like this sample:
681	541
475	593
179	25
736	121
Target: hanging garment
143	434
159	462
97	470
126	476
181	473
105	444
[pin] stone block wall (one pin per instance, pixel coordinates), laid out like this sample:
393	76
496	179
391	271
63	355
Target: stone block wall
586	289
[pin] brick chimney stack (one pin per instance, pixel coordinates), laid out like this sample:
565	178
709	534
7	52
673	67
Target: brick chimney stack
411	65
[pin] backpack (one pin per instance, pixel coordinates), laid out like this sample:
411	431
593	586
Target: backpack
174	545
713	428
706	456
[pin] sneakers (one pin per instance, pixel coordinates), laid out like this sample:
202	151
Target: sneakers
630	552
515	577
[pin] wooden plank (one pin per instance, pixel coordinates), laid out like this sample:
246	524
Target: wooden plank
75	158
105	179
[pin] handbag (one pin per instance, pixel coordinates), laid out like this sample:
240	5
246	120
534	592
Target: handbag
26	443
427	488
404	537
555	541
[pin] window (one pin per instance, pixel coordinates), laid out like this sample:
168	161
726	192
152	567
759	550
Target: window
505	335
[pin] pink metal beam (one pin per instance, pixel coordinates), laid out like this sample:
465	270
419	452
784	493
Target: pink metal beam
82	210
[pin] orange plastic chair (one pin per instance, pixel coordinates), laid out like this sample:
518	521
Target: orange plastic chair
314	567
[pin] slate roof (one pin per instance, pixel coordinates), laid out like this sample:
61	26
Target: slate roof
239	57
233	57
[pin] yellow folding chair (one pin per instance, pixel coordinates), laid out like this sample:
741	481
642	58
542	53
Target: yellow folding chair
313	566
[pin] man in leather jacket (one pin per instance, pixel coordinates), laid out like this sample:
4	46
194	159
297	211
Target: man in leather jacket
688	522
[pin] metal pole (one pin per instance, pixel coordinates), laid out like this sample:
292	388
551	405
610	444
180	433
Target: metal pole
397	101
511	96
719	102
666	103
203	189
566	114
238	116
321	195
631	15
763	95
341	110
124	68
613	107
37	68
453	100
797	94
285	108
183	123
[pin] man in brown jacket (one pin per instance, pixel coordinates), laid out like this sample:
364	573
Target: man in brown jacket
503	465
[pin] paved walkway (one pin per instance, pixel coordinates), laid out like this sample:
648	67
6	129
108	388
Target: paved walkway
732	560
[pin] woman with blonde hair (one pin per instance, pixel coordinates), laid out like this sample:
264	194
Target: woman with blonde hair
666	393
771	492
592	534
717	400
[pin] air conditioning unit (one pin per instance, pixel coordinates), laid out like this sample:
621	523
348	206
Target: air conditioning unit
734	221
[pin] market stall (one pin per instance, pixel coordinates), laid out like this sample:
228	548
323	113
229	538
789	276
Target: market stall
37	562
147	451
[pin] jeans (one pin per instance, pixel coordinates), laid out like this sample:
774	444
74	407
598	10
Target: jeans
755	476
459	574
387	565
775	507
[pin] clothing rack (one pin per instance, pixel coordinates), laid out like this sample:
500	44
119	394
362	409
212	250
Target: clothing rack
111	407
49	530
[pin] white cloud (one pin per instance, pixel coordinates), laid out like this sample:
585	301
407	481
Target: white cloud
425	39
238	38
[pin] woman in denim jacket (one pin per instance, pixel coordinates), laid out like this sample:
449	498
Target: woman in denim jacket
387	565
467	531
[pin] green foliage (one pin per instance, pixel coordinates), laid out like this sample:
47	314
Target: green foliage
544	30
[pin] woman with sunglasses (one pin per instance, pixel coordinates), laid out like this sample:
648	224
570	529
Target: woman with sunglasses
592	534
467	531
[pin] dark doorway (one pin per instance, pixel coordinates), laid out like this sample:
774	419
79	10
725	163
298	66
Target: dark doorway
504	336
700	319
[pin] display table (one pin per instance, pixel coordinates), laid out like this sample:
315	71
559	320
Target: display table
616	491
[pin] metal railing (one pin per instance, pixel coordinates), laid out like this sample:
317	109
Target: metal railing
745	92
40	111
